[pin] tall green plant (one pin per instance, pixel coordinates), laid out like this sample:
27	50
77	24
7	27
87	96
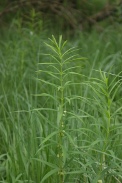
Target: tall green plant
59	68
108	127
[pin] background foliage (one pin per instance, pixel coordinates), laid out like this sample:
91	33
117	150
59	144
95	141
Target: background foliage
60	102
63	14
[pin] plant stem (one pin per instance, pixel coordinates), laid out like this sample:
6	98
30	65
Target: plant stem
61	123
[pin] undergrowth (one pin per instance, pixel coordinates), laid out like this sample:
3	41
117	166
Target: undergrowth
64	123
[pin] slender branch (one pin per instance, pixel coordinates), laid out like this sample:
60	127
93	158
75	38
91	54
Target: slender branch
106	12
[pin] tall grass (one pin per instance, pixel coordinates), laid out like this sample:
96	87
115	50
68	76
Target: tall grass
61	123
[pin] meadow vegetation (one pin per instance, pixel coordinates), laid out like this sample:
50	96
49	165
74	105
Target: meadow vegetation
60	107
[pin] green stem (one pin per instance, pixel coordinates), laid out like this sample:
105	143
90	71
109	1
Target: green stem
60	152
108	123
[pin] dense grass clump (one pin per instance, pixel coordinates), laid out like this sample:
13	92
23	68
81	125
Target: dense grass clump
60	117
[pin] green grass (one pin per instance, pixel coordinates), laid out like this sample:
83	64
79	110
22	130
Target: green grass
61	112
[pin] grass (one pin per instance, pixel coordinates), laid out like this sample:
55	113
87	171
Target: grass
60	117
